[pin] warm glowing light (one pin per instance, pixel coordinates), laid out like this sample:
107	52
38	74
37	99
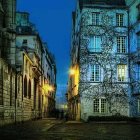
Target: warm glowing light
51	88
72	71
48	87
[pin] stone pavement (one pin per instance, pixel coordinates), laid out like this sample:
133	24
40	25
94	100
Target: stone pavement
52	129
73	122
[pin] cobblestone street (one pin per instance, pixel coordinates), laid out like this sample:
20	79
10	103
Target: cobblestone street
51	129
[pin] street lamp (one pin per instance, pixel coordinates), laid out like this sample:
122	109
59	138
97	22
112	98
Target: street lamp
48	87
51	88
72	71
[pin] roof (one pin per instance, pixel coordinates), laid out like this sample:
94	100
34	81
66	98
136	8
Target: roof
103	2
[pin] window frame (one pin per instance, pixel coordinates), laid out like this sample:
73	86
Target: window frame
138	103
138	72
95	18
100	106
119	19
94	73
94	45
121	74
138	40
29	89
25	86
121	44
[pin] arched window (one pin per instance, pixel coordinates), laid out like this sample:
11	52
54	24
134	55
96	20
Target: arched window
29	89
25	86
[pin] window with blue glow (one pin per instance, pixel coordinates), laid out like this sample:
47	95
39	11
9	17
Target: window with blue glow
95	44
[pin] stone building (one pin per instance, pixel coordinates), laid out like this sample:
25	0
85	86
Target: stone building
22	69
8	75
134	46
7	30
49	82
99	81
41	73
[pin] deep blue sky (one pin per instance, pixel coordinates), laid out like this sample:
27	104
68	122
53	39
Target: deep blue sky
53	21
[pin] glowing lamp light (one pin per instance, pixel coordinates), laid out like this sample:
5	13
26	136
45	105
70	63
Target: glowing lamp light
46	87
50	88
72	71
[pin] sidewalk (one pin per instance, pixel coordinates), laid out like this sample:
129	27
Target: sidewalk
51	123
74	122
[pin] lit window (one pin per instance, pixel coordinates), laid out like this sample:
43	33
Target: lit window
138	105
119	20
96	105
95	73
103	105
121	73
121	44
95	44
95	18
100	106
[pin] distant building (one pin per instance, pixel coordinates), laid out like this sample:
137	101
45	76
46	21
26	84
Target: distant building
49	78
99	81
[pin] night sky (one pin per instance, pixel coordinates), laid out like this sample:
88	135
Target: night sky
53	21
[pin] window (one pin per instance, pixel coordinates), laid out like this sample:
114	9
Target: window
29	89
25	86
96	105
1	90
121	73
25	42
138	7
26	66
95	73
138	72
11	88
138	105
121	44
95	18
119	20
138	40
100	106
95	44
